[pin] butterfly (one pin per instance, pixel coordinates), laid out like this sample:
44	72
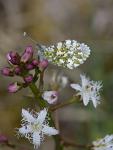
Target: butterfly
69	53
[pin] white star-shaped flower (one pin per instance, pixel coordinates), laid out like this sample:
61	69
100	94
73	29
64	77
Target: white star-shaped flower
104	144
88	90
34	126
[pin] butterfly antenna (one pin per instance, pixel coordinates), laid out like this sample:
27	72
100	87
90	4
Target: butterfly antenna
29	37
38	45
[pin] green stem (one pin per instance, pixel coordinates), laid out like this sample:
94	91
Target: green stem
41	81
42	104
37	95
58	145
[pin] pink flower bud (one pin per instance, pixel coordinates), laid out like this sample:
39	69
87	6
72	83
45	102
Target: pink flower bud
35	62
13	58
17	70
7	71
3	139
27	55
43	64
50	96
13	87
29	49
29	66
28	79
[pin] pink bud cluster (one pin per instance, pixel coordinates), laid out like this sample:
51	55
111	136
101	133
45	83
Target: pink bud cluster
21	65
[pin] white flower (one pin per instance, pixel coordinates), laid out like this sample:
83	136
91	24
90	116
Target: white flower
68	53
88	90
50	96
34	126
104	144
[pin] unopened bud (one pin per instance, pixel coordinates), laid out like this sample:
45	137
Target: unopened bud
35	62
28	79
17	70
7	71
13	58
13	87
27	55
29	66
43	64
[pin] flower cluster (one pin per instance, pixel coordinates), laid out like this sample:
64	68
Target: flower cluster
88	90
68	53
104	144
34	126
21	65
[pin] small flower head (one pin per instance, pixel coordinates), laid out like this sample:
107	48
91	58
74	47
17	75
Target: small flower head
13	58
104	144
68	53
6	71
34	126
27	55
88	90
28	79
50	96
13	87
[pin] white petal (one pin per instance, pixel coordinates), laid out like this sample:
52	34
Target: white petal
36	139
85	98
76	87
27	116
85	81
108	138
95	101
24	130
49	130
42	116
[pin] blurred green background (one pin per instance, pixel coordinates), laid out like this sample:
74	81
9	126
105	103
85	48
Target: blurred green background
50	21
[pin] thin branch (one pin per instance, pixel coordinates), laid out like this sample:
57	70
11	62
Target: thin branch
73	144
64	104
14	146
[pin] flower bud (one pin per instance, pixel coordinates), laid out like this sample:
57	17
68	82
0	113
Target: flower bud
29	66
13	58
7	71
28	78
50	96
13	87
43	64
27	55
3	139
35	62
17	70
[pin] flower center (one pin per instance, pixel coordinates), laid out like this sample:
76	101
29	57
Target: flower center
53	96
36	126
